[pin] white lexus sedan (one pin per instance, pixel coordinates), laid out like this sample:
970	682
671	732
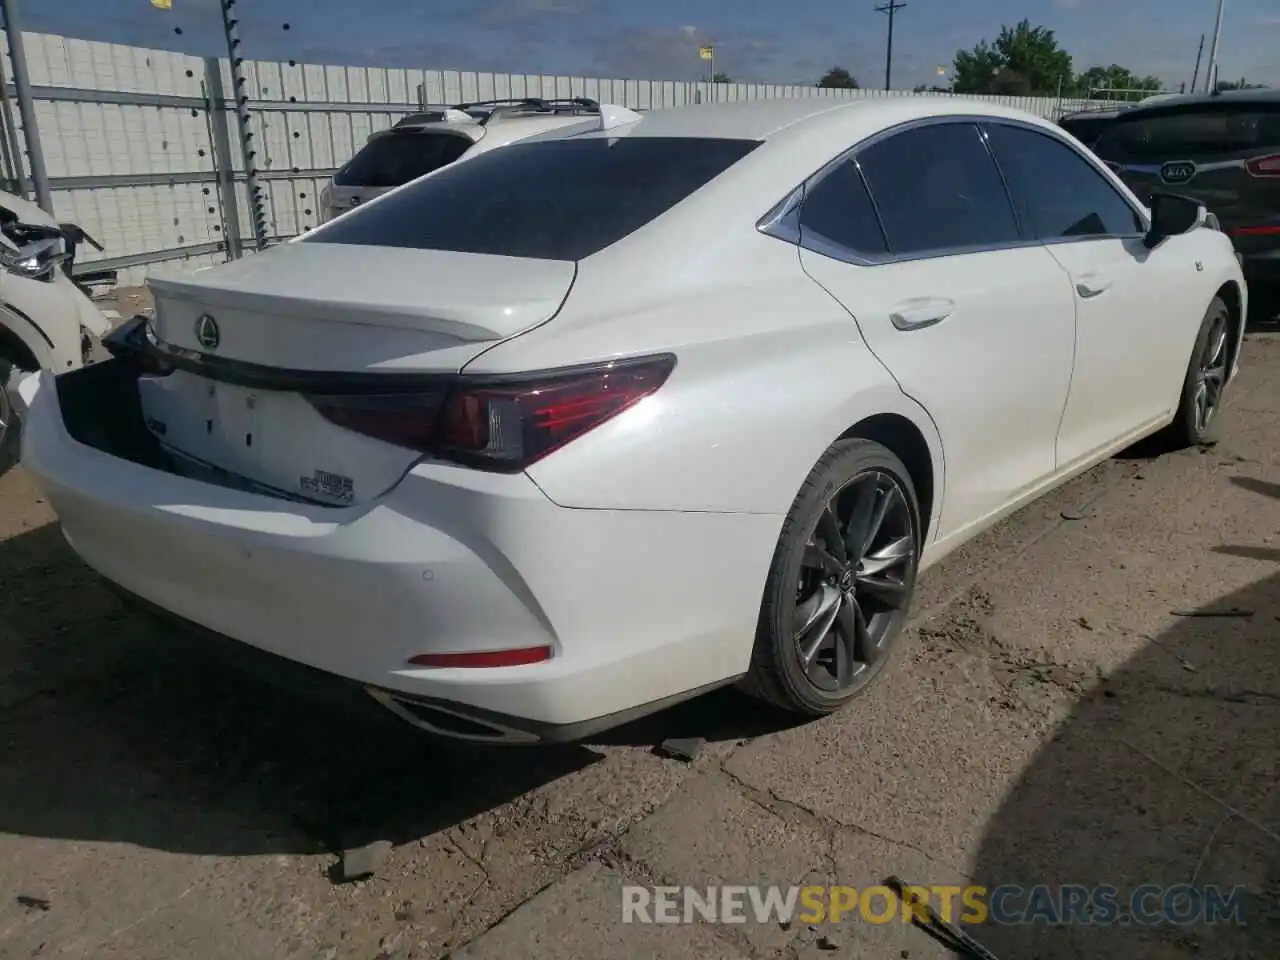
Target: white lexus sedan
586	425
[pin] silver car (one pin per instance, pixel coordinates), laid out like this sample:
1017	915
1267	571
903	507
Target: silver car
423	142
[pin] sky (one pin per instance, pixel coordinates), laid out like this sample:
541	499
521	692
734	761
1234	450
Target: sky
775	41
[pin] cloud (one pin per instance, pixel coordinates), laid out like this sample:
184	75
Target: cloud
672	52
505	13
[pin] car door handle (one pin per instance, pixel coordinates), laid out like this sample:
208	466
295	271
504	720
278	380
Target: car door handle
920	313
1092	285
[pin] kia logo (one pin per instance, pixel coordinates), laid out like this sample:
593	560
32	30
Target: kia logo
1179	171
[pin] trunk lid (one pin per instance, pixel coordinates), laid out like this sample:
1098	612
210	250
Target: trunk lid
256	337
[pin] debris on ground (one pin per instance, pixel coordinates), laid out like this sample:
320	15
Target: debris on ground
1075	515
34	903
363	862
828	942
682	748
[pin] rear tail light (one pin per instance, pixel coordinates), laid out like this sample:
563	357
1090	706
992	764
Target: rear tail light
1264	166
501	424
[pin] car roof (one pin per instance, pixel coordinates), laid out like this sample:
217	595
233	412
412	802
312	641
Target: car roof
765	120
1261	95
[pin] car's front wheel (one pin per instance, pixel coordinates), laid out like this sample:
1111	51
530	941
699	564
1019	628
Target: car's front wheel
841	582
1205	380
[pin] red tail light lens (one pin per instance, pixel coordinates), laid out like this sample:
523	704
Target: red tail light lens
1264	166
519	657
502	424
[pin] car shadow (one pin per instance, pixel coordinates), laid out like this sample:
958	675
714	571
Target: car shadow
1164	775
117	728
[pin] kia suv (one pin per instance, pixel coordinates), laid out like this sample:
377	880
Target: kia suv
1223	150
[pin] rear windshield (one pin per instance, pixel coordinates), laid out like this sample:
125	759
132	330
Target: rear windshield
1085	129
392	160
1186	133
551	200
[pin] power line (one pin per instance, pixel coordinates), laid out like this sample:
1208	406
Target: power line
892	7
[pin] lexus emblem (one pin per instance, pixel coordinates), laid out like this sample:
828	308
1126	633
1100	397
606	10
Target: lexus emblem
207	333
1178	171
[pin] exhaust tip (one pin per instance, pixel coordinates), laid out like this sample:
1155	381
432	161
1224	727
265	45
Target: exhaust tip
449	722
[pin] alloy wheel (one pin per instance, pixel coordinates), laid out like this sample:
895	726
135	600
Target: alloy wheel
856	576
1211	376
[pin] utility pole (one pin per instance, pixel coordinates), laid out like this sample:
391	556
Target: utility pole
1211	78
891	7
1195	74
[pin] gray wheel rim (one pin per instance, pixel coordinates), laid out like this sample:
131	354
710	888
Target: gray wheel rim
1211	374
856	576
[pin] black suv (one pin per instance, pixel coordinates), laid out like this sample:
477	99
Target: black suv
1088	125
1224	150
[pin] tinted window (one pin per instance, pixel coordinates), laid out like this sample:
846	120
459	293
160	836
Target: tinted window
1186	133
551	200
938	188
392	160
838	209
1058	193
1085	129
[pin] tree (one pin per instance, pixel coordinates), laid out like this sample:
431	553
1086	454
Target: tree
721	77
1023	60
1094	81
838	78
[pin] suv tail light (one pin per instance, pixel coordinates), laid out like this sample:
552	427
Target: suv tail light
502	424
1264	166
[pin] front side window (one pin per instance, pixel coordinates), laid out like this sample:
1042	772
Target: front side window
1057	192
561	199
938	189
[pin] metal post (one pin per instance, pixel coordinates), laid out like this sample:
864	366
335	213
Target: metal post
223	165
26	104
890	8
257	201
1211	78
10	148
1195	74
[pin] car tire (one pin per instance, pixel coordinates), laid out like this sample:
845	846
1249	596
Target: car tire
809	658
1204	384
10	425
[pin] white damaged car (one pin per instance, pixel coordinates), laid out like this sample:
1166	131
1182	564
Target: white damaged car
47	321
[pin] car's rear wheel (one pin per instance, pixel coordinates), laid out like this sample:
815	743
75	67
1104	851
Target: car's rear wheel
1206	379
841	582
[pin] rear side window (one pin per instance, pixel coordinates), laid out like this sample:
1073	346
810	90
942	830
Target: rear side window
550	200
838	209
1058	193
392	160
1187	133
937	189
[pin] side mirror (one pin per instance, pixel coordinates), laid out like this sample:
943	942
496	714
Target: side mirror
1173	214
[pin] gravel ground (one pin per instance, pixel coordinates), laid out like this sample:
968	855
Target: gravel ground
1053	716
